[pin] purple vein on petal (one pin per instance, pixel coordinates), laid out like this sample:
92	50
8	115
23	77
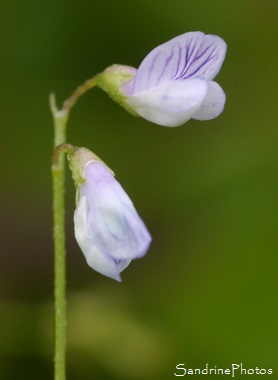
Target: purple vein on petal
211	63
201	55
144	77
167	62
152	68
211	58
187	49
189	58
179	60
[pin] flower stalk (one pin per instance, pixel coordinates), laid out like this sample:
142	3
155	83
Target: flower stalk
60	119
87	85
58	178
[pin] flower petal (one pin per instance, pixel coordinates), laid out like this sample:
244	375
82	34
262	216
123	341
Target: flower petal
95	259
171	104
115	226
167	61
208	60
190	55
213	103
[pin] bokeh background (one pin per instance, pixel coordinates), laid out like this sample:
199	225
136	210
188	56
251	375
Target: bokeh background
206	292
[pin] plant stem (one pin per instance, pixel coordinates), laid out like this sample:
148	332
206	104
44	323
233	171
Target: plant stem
58	178
60	118
87	85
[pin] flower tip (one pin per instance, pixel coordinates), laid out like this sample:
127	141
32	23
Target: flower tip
105	266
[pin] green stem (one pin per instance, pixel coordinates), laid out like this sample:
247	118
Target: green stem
87	85
58	178
60	118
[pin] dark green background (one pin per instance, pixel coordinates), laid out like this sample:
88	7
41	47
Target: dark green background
206	292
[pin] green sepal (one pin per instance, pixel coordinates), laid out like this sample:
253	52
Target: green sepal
111	81
78	159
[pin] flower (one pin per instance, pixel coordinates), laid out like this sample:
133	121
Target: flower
174	82
108	229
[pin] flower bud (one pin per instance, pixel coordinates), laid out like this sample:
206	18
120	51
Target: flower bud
108	229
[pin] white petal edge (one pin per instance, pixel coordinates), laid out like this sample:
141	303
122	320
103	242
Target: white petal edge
95	259
213	104
171	104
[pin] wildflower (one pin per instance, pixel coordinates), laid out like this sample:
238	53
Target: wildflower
108	229
174	83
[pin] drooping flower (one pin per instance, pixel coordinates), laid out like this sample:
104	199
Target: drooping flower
174	83
108	229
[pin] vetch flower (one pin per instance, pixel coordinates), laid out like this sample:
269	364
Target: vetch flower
174	83
107	227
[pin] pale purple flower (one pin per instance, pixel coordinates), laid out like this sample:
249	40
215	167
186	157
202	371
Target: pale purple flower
108	229
174	82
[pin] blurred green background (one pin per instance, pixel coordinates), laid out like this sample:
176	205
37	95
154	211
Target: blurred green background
206	292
